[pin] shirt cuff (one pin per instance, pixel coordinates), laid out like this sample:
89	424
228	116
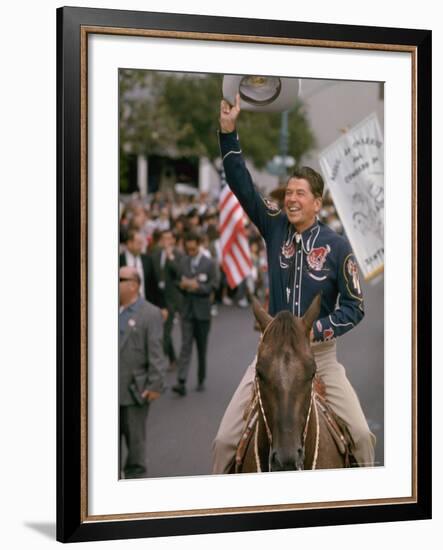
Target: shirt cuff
323	330
228	142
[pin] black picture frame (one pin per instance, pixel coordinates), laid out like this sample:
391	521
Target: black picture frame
73	523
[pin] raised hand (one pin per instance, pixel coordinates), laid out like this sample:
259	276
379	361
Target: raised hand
229	114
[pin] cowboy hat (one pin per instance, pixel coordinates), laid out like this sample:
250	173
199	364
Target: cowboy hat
262	93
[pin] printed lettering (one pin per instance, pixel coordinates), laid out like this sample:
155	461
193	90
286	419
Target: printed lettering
356	172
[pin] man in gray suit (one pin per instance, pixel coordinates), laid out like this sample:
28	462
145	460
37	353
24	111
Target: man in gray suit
168	295
141	367
197	280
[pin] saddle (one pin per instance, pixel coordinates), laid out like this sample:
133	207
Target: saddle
337	428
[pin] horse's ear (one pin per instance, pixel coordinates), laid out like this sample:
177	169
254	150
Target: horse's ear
312	312
263	318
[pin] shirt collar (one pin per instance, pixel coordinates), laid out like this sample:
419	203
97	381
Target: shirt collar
130	257
134	306
308	236
196	259
310	229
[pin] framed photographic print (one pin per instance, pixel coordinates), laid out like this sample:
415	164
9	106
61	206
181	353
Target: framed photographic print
152	244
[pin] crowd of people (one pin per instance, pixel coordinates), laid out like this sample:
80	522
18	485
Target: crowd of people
181	214
171	260
170	272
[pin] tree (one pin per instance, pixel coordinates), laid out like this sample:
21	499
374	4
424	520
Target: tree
193	101
176	114
260	134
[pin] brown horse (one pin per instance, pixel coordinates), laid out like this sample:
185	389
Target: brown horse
289	424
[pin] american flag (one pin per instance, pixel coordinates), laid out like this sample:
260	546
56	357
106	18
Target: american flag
235	252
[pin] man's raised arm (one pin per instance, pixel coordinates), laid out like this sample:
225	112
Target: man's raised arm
261	212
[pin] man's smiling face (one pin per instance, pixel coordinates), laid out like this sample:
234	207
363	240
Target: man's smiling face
301	206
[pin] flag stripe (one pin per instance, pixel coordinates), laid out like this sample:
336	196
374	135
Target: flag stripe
236	256
231	238
243	246
237	264
232	274
224	198
231	217
239	259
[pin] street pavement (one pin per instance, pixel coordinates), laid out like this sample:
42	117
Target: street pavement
180	430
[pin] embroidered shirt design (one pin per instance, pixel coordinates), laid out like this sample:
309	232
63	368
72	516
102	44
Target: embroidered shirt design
352	277
288	249
271	206
317	257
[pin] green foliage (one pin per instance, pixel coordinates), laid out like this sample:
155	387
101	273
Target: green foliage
193	101
145	122
176	115
260	135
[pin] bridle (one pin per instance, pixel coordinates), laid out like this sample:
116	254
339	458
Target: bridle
312	405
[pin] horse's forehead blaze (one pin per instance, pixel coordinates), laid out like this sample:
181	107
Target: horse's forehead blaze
285	371
284	354
285	376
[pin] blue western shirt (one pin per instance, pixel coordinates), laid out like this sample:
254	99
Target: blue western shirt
300	265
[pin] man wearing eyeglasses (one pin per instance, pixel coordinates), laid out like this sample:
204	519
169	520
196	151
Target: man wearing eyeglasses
142	365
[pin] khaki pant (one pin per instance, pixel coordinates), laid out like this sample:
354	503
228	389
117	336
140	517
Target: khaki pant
339	394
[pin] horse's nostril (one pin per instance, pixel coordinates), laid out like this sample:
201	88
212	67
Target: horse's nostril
280	462
299	462
275	463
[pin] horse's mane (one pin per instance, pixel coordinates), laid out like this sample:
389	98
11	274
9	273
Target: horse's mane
283	330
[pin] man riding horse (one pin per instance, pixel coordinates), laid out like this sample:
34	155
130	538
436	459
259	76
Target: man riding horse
305	257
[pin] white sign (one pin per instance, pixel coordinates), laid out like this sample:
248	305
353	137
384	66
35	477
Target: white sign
353	168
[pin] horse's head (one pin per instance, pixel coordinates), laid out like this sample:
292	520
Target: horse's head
285	370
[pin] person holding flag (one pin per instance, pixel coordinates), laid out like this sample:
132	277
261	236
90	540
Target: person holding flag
305	257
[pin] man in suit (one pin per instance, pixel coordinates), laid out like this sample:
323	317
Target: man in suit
165	261
133	257
141	367
197	279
